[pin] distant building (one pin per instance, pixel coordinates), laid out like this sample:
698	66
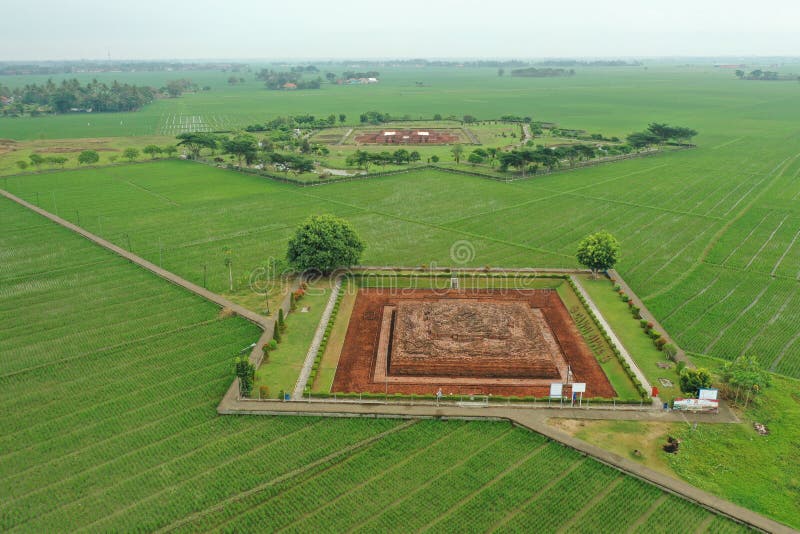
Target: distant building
290	85
361	81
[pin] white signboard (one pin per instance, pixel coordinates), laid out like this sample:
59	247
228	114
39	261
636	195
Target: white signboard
555	390
695	405
579	387
708	394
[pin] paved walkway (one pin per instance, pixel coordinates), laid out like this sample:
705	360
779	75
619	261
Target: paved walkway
344	137
253	317
534	420
526	134
311	355
472	137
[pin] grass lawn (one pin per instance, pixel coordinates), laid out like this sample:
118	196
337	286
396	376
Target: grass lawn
281	371
108	148
245	296
632	336
626	437
758	472
730	460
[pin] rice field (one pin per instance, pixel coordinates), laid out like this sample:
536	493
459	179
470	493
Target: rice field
109	378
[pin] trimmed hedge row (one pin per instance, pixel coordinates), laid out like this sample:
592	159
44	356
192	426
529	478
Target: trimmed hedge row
325	336
309	183
494	398
447	274
658	339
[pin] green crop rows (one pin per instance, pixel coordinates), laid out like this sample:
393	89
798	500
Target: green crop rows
113	428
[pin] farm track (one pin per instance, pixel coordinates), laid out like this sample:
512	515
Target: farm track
163	273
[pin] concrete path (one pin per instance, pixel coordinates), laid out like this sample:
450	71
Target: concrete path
344	137
526	134
472	137
311	355
241	311
534	420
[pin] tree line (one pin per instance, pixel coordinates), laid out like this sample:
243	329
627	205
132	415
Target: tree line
660	134
292	122
363	159
276	80
50	97
44	68
90	157
766	75
72	96
533	72
246	149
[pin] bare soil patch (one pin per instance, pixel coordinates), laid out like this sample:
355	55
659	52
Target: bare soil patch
471	341
7	145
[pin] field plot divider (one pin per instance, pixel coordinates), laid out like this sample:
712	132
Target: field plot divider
311	355
614	339
242	312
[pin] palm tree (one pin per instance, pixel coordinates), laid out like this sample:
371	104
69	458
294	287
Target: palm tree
229	264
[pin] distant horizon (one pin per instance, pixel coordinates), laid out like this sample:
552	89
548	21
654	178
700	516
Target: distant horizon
414	28
400	58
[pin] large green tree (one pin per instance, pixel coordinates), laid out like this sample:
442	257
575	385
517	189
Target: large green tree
152	150
694	379
130	153
598	251
87	157
457	151
196	141
324	243
242	146
246	372
643	139
744	378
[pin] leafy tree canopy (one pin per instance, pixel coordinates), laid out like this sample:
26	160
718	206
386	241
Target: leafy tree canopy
598	251
87	157
745	377
324	243
694	379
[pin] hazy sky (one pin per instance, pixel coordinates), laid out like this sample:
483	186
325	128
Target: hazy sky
75	29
